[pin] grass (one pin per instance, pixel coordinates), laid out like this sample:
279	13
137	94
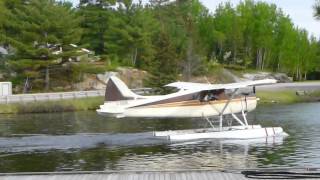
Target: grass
287	97
83	104
278	97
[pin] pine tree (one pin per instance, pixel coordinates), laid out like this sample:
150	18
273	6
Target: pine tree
95	23
164	67
3	12
43	27
130	36
5	18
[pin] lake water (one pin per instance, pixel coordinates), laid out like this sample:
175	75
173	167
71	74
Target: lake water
85	141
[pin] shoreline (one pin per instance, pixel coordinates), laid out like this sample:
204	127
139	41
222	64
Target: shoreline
92	103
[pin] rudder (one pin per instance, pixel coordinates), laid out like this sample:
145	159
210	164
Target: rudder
117	90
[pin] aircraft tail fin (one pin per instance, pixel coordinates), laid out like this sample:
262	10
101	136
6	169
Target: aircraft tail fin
117	90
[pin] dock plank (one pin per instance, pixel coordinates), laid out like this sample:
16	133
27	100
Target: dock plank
153	175
203	176
172	176
167	176
114	177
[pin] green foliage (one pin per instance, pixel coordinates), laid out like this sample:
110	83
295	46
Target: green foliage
286	96
278	97
164	67
95	23
3	15
42	27
261	36
129	37
317	9
166	38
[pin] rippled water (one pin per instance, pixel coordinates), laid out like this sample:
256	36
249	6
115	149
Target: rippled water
86	141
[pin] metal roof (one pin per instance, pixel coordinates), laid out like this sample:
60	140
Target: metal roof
3	51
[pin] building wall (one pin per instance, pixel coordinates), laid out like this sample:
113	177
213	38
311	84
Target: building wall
5	88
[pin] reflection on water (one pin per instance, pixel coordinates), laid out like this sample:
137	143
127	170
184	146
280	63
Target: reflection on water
86	141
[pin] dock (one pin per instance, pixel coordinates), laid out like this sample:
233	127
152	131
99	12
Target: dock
151	175
161	175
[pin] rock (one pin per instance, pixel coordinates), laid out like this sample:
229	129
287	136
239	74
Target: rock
256	76
301	93
134	78
90	82
280	77
104	77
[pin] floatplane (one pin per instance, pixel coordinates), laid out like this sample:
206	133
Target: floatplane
195	100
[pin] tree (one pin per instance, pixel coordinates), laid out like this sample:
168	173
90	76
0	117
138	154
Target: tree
45	29
164	67
3	12
5	30
227	22
312	57
284	39
130	35
95	23
190	13
317	9
263	34
246	11
208	36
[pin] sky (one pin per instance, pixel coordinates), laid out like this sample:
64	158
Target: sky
300	11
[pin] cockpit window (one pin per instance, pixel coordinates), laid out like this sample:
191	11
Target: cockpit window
212	95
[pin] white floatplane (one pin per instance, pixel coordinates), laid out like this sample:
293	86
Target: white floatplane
195	100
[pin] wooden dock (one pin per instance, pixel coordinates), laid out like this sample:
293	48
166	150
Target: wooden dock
167	175
153	175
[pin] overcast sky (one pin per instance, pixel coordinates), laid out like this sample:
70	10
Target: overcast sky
300	11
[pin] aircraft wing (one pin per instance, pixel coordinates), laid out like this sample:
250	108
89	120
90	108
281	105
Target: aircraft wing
202	86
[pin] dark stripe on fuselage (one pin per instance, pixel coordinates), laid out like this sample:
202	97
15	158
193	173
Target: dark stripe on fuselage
190	103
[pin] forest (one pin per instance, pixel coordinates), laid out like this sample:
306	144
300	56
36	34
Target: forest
168	39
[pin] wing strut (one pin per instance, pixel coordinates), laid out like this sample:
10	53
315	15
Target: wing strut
225	107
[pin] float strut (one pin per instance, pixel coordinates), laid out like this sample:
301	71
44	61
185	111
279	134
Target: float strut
220	122
208	120
245	118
